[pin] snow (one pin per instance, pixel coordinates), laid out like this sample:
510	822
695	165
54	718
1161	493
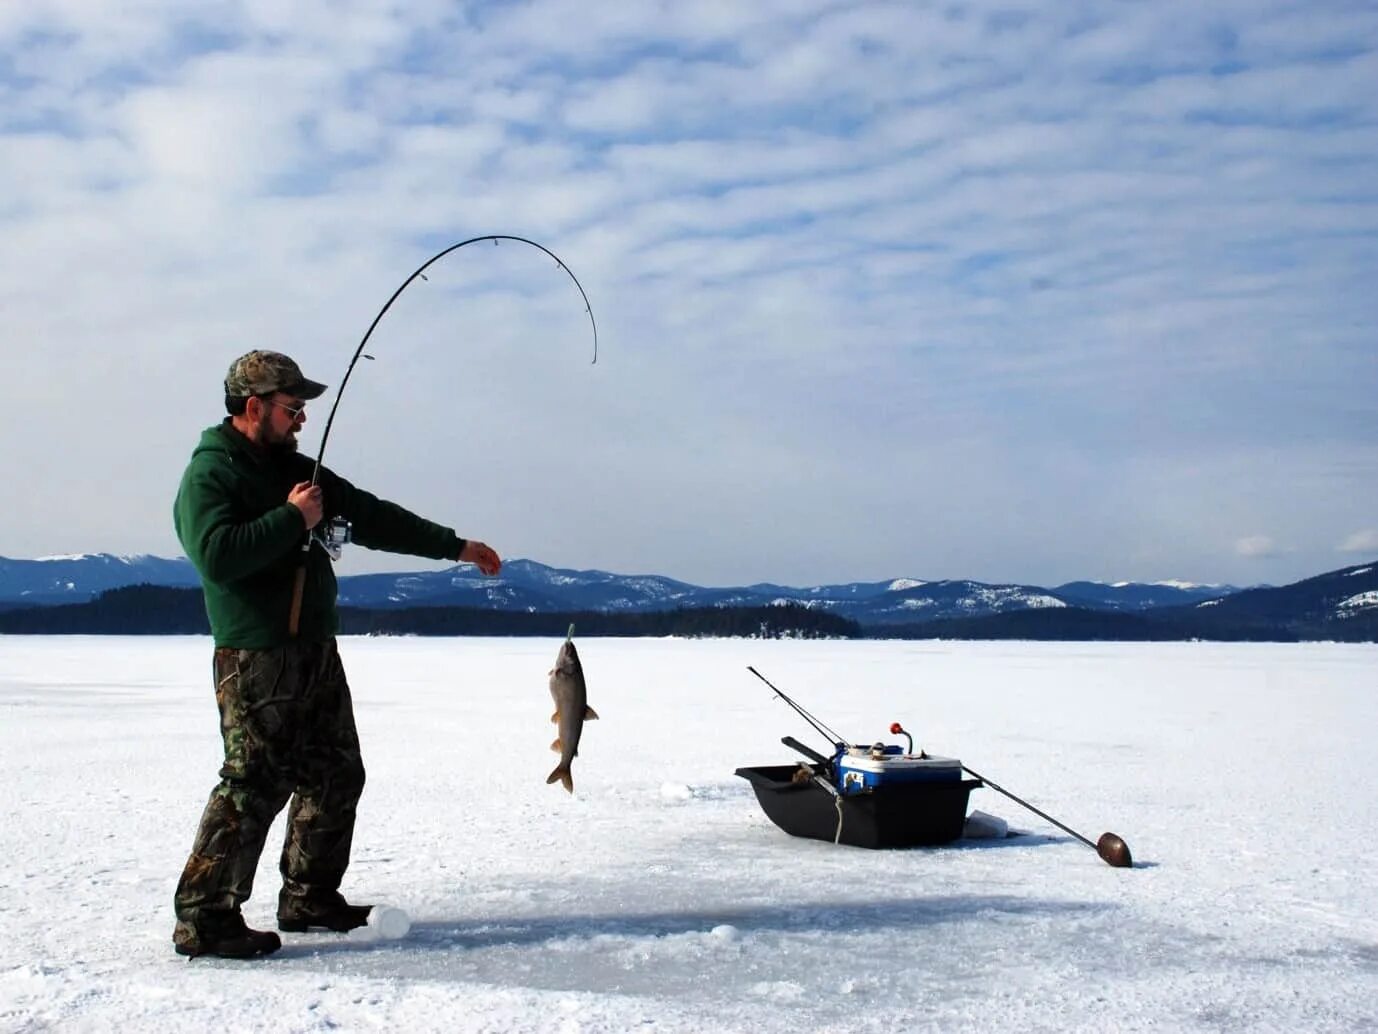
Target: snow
901	584
1036	601
1361	601
1005	598
119	558
1361	570
659	897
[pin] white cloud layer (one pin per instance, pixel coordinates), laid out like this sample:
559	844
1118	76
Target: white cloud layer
1256	546
1365	541
941	291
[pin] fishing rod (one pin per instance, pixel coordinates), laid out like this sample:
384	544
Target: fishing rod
1111	846
420	272
822	729
299	585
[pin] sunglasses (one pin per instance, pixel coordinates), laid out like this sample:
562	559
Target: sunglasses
296	411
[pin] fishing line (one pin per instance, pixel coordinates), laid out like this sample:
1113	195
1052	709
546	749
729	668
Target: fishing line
359	352
299	584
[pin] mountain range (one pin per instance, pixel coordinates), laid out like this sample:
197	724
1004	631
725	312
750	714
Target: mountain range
525	585
92	592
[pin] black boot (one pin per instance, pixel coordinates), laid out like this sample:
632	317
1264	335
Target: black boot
223	934
327	910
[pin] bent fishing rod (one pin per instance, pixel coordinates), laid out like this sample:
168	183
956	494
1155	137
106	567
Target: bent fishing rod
299	586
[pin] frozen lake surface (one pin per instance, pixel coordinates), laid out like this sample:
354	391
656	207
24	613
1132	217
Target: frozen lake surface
659	897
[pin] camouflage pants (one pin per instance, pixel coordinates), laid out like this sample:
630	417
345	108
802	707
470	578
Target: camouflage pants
287	721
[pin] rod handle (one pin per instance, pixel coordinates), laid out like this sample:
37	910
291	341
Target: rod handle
298	591
807	751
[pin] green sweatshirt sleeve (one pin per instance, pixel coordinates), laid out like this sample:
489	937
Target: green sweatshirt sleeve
223	546
383	525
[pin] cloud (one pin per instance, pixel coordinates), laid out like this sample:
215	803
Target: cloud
1105	265
1256	546
1365	541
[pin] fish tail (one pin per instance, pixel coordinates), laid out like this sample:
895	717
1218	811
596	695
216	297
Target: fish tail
564	775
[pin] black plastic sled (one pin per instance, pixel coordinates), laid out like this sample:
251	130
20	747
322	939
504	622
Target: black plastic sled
899	815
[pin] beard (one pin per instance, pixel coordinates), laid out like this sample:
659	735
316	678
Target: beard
278	444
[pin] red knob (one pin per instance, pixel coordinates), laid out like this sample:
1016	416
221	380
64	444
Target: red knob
896	728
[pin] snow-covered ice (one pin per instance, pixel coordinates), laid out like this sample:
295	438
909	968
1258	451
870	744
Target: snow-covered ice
659	897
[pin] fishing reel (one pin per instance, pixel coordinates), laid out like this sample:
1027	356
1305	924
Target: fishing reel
334	534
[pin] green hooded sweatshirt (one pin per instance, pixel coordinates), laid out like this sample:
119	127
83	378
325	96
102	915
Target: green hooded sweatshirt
236	526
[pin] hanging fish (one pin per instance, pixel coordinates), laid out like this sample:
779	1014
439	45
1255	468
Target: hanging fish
568	690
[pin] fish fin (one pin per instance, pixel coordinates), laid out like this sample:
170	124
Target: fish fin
555	717
563	774
590	715
557	746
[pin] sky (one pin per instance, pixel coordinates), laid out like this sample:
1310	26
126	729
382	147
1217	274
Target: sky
660	898
1011	292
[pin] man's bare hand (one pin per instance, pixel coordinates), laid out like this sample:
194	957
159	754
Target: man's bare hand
475	552
306	497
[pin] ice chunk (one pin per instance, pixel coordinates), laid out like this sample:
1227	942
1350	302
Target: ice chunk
979	826
391	924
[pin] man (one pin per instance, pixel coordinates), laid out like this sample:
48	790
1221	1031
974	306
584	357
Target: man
244	509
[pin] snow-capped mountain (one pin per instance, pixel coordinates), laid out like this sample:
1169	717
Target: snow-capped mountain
1340	604
1348	596
1133	596
534	587
522	585
78	578
526	584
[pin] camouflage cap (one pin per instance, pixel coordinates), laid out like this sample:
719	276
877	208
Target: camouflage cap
262	373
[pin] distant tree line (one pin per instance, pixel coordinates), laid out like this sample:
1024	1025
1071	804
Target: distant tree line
780	622
1076	624
1168	624
132	610
158	610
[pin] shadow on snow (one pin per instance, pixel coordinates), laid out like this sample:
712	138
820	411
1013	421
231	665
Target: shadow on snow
893	915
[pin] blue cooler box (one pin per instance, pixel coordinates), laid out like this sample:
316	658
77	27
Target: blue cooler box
863	772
